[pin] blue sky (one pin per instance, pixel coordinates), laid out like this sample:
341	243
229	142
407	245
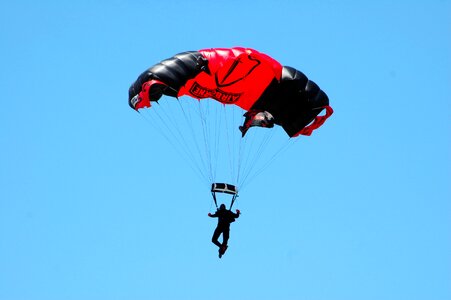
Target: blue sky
94	204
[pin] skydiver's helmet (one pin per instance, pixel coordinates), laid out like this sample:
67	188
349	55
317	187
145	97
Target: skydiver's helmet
222	207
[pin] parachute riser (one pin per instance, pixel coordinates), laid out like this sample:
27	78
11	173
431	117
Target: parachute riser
233	201
214	199
216	202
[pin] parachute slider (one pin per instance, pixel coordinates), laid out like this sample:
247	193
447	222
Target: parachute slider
224	188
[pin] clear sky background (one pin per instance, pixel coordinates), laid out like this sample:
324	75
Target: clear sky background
94	205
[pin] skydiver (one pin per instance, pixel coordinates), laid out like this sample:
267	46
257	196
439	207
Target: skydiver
225	217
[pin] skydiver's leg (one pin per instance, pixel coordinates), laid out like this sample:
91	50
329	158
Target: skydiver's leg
225	239
215	237
225	236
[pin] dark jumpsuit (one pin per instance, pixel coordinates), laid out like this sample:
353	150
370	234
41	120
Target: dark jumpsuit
225	217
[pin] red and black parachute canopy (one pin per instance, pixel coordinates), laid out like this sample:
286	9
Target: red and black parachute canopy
237	76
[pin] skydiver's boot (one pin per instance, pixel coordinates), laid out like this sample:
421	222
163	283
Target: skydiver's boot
222	250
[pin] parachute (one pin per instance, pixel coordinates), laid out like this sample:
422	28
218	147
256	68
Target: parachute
225	85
